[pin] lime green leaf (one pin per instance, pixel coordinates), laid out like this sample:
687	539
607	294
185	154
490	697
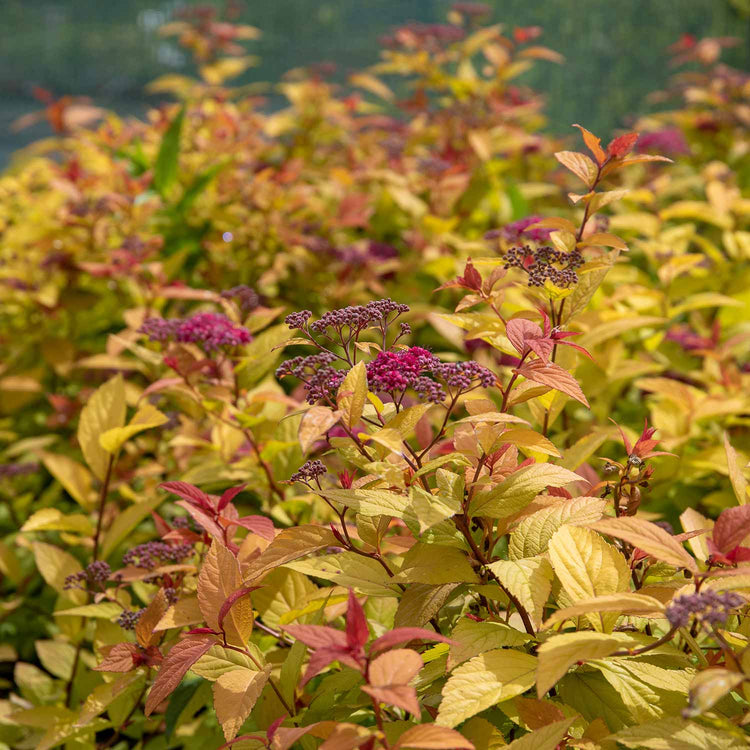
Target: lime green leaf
473	638
144	419
484	681
165	167
531	536
560	652
529	580
520	488
435	564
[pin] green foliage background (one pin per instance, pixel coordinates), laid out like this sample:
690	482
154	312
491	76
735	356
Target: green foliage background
110	51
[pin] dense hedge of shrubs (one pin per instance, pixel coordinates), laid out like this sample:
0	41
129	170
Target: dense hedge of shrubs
381	420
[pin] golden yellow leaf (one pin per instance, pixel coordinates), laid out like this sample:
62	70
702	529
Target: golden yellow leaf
624	603
104	411
587	567
220	577
235	695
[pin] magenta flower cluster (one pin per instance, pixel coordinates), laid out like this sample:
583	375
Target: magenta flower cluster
211	331
667	141
519	230
393	372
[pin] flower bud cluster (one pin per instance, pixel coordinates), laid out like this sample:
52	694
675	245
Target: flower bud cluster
209	330
129	619
358	317
320	379
96	573
708	606
151	554
17	470
545	263
309	471
246	298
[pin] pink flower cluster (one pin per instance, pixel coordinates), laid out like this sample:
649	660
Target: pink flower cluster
416	368
667	141
518	230
209	330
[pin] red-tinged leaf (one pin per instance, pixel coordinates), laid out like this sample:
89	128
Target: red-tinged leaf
401	696
397	667
162	527
471	279
594	145
273	726
121	657
202	518
519	330
621	145
346	736
285	737
231	599
189	492
625	441
357	633
543	348
554	376
433	737
201	631
259	525
322	657
399	636
580	165
318	636
229	495
181	657
160	385
731	527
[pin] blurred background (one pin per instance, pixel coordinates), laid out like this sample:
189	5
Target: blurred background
615	52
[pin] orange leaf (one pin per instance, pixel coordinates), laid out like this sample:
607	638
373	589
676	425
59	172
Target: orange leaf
594	145
553	376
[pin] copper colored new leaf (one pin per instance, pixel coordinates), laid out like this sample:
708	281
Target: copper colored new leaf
181	657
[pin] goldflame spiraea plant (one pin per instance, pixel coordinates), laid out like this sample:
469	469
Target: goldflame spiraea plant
390	544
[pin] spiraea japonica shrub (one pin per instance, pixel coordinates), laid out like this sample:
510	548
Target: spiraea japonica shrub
459	462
